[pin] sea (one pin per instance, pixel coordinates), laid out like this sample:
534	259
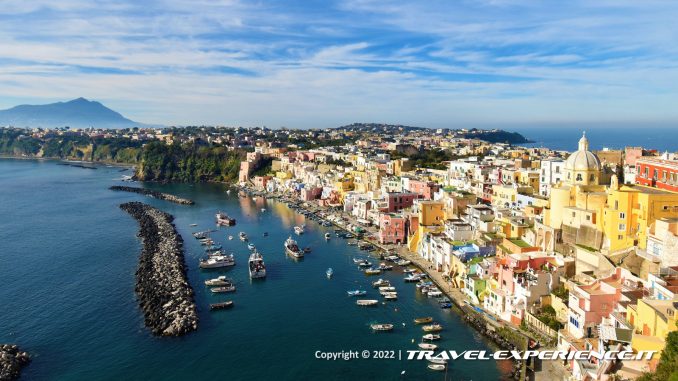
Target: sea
68	257
566	137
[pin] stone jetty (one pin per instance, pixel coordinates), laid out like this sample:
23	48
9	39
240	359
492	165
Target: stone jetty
154	194
11	362
162	288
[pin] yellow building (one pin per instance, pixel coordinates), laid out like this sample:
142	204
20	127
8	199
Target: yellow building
630	213
652	320
431	219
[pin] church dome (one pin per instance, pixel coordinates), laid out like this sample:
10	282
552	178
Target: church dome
583	159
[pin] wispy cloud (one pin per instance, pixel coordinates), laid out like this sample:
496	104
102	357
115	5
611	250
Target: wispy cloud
302	63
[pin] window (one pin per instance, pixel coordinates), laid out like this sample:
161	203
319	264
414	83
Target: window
620	237
622	215
622	227
647	172
588	217
664	176
616	205
579	178
592	177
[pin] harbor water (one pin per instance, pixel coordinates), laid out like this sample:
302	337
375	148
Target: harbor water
68	256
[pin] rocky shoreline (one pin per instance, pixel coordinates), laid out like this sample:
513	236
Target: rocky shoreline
162	288
154	194
11	361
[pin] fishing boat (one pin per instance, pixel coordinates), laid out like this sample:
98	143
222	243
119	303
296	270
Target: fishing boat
221	306
438	367
299	230
427	346
381	283
431	337
329	272
423	320
432	328
381	327
243	236
292	249
251	246
219	281
223	289
372	271
328	236
356	293
367	302
256	266
217	262
224	220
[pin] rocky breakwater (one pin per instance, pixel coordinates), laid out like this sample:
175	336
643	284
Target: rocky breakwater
154	194
11	361
162	288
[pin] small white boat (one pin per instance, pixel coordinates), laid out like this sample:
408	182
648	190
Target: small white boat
387	288
329	272
427	346
251	246
403	262
381	283
328	236
367	302
217	262
438	360
391	296
193	225
372	272
356	293
431	337
223	289
219	281
381	327
230	237
263	210
243	236
434	294
299	230
438	367
409	271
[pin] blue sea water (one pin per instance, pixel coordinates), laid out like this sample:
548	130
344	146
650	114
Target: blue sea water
614	137
67	260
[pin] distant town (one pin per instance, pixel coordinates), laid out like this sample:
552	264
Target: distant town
575	250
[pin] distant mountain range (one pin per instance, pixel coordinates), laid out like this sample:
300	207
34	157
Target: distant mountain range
78	113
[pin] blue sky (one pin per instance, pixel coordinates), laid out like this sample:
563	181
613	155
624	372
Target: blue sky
326	63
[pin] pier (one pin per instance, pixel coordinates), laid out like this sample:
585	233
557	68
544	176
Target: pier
154	194
162	288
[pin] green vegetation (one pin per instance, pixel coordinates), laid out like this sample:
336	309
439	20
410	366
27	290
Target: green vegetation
667	369
519	242
189	163
589	248
433	158
548	317
562	293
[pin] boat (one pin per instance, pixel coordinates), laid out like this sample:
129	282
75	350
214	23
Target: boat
217	262
265	234
230	237
211	248
411	278
307	249
385	267
432	328
438	367
356	293
219	281
243	236
372	271
391	296
423	320
291	248
427	346
381	283
365	263
206	242
328	236
192	225
403	262
409	271
434	294
251	246
299	230
431	336
329	272
358	261
367	302
438	360
221	306
445	305
256	266
223	289
387	288
263	210
381	327
224	220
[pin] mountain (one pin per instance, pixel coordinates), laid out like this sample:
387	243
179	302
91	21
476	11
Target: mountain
78	113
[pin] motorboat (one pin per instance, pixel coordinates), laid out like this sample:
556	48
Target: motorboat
219	281
445	305
223	289
221	306
387	288
292	249
381	283
243	236
224	220
392	258
435	294
328	236
358	261
409	271
329	272
423	320
427	346
356	293
212	248
307	249
431	337
432	327
372	271
367	302
251	246
256	266
193	225
438	360
438	367
299	230
385	267
217	262
403	262
364	263
230	237
381	327
411	278
391	296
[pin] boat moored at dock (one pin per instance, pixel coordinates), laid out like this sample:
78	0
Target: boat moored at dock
217	262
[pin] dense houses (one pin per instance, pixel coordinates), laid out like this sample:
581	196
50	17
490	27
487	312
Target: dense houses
579	249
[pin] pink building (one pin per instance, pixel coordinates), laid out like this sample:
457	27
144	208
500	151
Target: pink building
312	193
260	181
392	228
424	188
396	201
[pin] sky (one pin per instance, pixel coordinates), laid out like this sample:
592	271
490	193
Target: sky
486	63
